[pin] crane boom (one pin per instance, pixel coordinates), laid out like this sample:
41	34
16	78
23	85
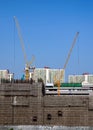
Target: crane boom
67	59
69	54
21	39
27	63
74	41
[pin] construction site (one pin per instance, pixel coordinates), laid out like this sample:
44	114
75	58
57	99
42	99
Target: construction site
41	97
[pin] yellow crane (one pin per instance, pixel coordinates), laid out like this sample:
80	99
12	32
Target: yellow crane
27	63
66	62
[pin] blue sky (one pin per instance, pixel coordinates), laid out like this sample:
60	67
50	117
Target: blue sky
48	28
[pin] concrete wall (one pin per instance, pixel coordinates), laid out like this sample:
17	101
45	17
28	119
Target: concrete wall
24	104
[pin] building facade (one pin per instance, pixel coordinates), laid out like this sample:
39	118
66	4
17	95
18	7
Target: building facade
48	75
5	75
88	78
25	104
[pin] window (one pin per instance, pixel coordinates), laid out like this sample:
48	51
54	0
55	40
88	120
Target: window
59	113
35	118
49	116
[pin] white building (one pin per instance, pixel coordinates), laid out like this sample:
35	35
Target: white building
4	74
84	78
47	75
10	76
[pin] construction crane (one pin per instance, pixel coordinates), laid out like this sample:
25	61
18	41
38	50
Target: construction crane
66	62
27	63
